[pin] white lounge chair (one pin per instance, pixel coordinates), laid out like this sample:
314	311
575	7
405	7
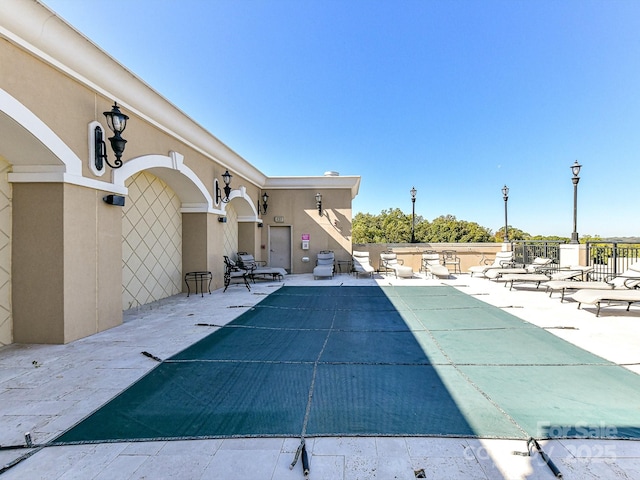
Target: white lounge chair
629	279
570	273
536	272
325	264
362	263
597	297
502	260
539	265
389	262
433	267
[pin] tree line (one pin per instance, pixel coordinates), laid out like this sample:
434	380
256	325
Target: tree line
394	226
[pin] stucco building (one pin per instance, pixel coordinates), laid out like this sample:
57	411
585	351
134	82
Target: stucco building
70	262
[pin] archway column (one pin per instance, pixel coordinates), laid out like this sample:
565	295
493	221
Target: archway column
202	246
66	263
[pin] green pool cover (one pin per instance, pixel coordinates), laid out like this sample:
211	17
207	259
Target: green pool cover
374	361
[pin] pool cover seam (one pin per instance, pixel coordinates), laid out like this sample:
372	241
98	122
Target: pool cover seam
408	330
417	364
307	412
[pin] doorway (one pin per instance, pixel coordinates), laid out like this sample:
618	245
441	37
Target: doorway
280	247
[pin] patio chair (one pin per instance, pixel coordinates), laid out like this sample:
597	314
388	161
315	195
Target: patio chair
259	267
324	264
536	272
597	297
389	262
629	279
502	260
545	274
362	263
233	272
433	267
539	266
450	257
427	254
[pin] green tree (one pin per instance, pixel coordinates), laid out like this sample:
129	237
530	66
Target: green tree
367	228
514	234
447	228
390	226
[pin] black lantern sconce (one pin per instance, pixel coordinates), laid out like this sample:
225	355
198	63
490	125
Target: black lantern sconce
226	178
117	122
265	198
319	203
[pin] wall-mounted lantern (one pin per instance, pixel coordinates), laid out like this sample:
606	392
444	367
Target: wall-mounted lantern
265	198
226	178
319	203
117	122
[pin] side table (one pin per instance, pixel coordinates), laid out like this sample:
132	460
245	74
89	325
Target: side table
198	278
347	266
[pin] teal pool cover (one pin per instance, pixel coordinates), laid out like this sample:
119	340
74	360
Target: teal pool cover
373	361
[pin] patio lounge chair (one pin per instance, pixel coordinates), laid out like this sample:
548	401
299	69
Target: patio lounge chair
433	267
537	272
389	262
324	264
361	263
233	272
629	279
539	266
259	267
596	297
502	260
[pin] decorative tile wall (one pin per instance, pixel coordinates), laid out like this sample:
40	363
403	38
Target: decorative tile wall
151	242
230	236
6	319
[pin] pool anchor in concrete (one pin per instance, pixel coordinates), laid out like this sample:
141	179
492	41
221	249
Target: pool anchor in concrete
544	456
302	450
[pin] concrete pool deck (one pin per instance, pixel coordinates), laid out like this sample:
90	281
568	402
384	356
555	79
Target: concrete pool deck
46	389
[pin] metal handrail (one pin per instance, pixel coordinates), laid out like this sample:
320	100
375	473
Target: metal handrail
611	258
525	251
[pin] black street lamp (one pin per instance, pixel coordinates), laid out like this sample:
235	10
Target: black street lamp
413	214
505	195
575	169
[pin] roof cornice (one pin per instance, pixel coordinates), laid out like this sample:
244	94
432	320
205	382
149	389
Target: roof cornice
351	182
35	28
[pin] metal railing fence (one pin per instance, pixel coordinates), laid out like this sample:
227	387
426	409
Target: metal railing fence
525	251
611	258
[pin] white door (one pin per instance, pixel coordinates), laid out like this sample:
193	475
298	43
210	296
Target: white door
280	247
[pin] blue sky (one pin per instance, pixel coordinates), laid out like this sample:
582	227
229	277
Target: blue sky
454	97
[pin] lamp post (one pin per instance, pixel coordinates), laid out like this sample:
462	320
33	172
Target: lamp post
575	169
413	214
505	195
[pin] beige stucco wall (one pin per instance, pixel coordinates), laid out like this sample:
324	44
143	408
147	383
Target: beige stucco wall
470	254
63	258
329	231
61	285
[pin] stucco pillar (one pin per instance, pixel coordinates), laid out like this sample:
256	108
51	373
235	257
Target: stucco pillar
202	246
66	263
